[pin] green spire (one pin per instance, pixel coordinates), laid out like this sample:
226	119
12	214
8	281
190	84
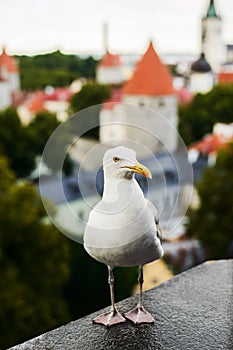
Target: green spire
211	12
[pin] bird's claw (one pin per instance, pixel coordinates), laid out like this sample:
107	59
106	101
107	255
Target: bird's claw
139	315
110	318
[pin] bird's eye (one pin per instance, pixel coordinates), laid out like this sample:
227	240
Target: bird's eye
116	159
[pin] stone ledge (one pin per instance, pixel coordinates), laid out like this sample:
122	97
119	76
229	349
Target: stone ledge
192	311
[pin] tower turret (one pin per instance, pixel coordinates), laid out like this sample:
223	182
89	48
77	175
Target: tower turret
212	44
201	76
9	79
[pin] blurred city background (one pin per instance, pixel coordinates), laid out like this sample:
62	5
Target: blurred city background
58	58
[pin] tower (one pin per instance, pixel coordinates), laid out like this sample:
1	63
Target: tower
9	79
211	41
150	86
201	76
110	69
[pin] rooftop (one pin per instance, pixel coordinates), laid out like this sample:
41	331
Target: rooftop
8	62
35	101
151	76
211	143
201	65
211	12
225	77
110	60
192	311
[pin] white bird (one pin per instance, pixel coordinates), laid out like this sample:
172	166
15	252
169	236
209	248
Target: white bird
122	229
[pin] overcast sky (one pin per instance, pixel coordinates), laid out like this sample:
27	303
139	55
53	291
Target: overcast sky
75	26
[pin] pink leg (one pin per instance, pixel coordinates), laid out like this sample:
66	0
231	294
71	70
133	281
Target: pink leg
139	314
113	316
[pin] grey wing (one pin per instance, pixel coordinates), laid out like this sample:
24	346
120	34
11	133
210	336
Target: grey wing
156	216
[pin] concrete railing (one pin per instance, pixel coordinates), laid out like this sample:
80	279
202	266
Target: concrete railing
192	311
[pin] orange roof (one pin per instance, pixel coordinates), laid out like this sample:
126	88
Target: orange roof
225	77
150	77
211	143
8	62
36	105
114	99
36	100
208	144
110	60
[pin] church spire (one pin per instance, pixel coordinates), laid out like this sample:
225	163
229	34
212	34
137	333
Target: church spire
211	12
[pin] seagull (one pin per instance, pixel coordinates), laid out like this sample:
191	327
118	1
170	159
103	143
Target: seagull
123	228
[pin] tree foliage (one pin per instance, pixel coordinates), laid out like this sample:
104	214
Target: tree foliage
46	279
34	260
15	143
54	69
198	118
40	129
21	144
91	94
212	221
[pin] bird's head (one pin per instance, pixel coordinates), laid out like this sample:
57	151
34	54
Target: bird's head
121	162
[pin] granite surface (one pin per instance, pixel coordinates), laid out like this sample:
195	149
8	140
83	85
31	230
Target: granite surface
192	311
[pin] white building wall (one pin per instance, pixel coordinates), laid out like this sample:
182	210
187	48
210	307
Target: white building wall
212	44
161	121
112	124
4	73
5	95
153	127
109	75
60	108
25	115
10	85
201	82
14	81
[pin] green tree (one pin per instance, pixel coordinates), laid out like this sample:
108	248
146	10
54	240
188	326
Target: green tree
198	118
91	94
212	221
46	279
15	143
40	129
34	263
54	69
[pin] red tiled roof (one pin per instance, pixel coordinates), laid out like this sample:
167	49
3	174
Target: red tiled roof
225	77
36	105
36	100
59	94
151	77
211	143
110	60
208	145
114	99
8	62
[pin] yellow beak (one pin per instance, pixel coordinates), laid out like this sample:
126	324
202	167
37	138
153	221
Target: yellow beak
140	169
